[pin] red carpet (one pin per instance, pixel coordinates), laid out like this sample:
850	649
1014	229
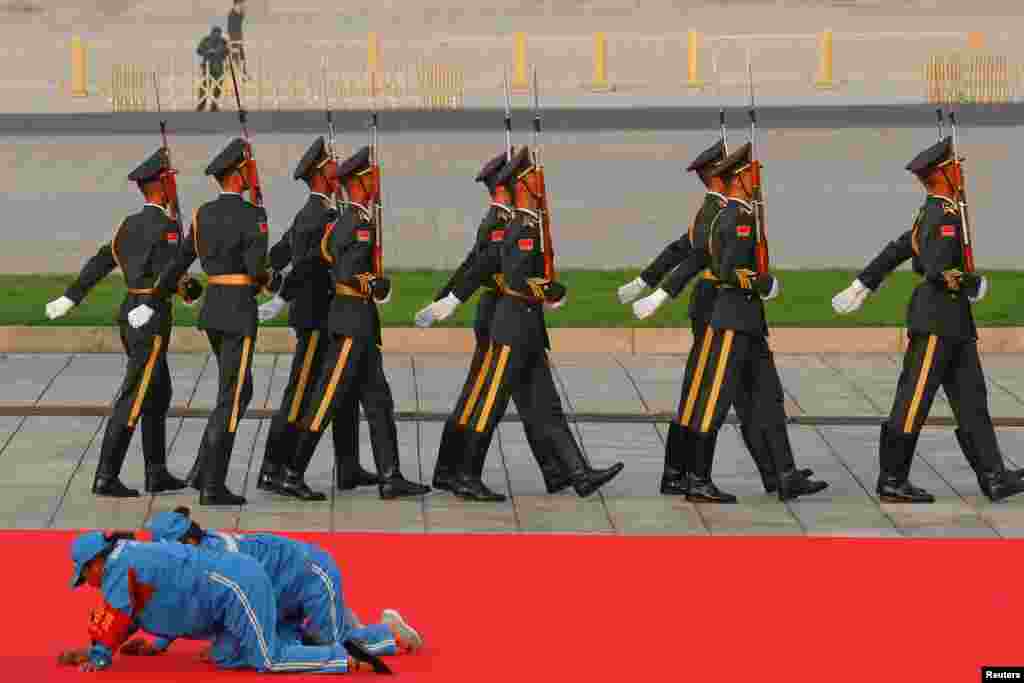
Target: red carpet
567	608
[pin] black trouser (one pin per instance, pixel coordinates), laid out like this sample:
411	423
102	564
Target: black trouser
310	352
144	396
526	374
930	362
453	439
352	374
234	354
210	86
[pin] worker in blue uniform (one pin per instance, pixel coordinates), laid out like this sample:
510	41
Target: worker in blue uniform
307	585
172	590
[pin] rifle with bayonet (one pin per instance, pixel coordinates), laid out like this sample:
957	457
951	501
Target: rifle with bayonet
508	120
545	210
757	193
967	243
378	205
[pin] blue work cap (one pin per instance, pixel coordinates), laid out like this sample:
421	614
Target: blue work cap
83	550
169	526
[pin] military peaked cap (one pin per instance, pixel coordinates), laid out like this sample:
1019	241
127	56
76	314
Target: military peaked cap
490	172
150	168
360	161
229	159
521	162
711	155
932	157
733	163
314	158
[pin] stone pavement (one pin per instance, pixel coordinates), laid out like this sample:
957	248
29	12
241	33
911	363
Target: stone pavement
50	461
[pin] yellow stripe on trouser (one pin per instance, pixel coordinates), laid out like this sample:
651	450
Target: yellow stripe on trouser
333	386
467	410
922	380
698	377
307	365
499	371
147	375
242	367
716	388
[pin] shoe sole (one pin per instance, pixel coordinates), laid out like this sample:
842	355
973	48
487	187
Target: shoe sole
408	634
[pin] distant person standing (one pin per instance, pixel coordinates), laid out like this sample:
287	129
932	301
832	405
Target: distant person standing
235	18
213	50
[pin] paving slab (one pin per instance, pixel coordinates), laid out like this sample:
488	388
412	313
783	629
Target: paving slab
597	383
655	515
370	513
398	370
8	426
658	378
186	369
24	377
750	517
447	514
89	378
563	514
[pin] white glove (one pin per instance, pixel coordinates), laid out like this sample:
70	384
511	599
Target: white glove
851	298
59	307
649	304
271	309
140	315
982	291
632	290
439	310
551	306
776	288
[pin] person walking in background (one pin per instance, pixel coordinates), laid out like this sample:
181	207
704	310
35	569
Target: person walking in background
213	50
235	18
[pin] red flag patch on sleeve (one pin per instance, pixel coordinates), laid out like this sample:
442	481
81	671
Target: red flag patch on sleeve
497	235
264	228
743	231
172	237
526	244
949	231
363	235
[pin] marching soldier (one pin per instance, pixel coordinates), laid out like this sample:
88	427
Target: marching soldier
478	269
853	297
353	367
735	362
943	344
308	289
519	362
229	237
142	245
679	445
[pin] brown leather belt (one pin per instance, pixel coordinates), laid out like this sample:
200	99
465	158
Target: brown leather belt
148	290
345	290
232	280
504	290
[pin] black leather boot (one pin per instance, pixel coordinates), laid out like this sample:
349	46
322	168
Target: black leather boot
756	443
556	479
385	455
896	453
154	452
701	488
677	446
467	483
194	478
452	447
995	480
969	450
107	481
214	473
280	447
792	483
294	484
348	473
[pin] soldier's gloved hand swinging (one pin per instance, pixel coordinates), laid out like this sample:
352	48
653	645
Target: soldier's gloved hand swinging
970	284
554	292
851	298
59	307
767	286
649	304
439	310
271	309
555	305
982	291
632	290
380	290
140	315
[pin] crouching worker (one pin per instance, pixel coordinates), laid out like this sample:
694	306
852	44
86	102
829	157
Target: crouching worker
172	590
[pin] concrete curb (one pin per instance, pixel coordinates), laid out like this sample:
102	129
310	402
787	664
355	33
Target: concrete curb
627	341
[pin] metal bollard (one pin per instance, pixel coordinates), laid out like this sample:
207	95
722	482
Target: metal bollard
825	81
692	79
600	83
79	73
519	81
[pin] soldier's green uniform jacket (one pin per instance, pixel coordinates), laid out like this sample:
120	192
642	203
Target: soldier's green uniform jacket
738	305
479	268
229	237
143	245
702	301
308	286
938	306
348	249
